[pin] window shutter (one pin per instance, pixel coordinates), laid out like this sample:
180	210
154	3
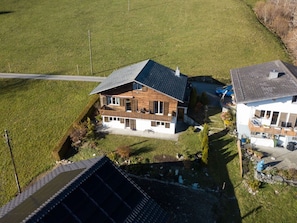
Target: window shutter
166	108
292	119
151	106
133	124
122	101
257	113
153	123
104	100
134	105
282	119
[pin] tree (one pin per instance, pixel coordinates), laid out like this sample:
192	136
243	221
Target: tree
193	98
204	143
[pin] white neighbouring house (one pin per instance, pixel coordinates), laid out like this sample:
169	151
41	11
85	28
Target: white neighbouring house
145	96
266	103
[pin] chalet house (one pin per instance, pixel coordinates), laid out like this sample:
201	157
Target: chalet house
93	190
145	96
266	103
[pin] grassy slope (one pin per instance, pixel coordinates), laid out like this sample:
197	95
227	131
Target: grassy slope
201	37
37	114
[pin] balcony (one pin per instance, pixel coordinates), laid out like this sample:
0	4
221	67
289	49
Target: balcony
255	126
107	111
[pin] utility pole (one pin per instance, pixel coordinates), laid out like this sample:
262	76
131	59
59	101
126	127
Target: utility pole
90	49
12	159
128	5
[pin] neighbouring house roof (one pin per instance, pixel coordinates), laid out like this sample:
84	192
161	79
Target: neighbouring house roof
93	190
150	74
254	83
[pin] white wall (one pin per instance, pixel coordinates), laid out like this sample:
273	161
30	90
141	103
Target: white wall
142	125
244	112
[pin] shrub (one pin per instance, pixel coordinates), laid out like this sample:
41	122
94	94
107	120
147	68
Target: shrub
79	132
254	184
124	151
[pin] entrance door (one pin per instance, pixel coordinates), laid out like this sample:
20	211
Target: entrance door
133	124
180	115
127	123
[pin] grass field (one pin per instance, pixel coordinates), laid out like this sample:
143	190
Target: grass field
201	37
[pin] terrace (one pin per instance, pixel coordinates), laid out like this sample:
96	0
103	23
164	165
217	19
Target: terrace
140	114
256	126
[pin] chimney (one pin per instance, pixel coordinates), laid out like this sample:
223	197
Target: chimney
177	72
273	74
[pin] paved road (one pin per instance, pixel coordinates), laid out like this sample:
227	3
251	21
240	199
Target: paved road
53	77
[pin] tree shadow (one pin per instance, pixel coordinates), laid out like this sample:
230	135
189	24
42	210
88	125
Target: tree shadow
134	144
219	157
251	212
137	152
6	12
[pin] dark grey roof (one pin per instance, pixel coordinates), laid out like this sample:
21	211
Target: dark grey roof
253	84
87	191
150	74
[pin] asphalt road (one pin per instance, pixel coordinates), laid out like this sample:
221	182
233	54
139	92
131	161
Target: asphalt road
52	77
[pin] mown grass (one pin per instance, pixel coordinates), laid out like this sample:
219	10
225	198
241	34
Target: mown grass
201	37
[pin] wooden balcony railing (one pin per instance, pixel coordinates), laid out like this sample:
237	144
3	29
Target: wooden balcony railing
273	130
138	115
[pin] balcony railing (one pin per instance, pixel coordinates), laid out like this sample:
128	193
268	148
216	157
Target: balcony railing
273	130
136	115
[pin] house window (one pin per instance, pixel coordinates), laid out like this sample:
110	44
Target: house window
268	113
294	99
274	118
262	113
158	107
137	86
128	105
113	100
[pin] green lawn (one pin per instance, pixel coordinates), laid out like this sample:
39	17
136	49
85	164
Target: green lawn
201	37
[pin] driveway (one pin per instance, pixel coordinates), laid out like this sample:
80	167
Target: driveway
210	90
52	77
279	157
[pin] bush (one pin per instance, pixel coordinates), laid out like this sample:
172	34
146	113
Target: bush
124	151
254	184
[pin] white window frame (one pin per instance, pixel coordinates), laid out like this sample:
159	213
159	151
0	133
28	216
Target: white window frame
113	100
159	107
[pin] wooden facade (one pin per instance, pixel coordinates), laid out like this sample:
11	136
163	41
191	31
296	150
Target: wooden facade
140	103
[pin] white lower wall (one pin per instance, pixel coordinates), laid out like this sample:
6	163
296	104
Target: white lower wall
142	125
262	142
